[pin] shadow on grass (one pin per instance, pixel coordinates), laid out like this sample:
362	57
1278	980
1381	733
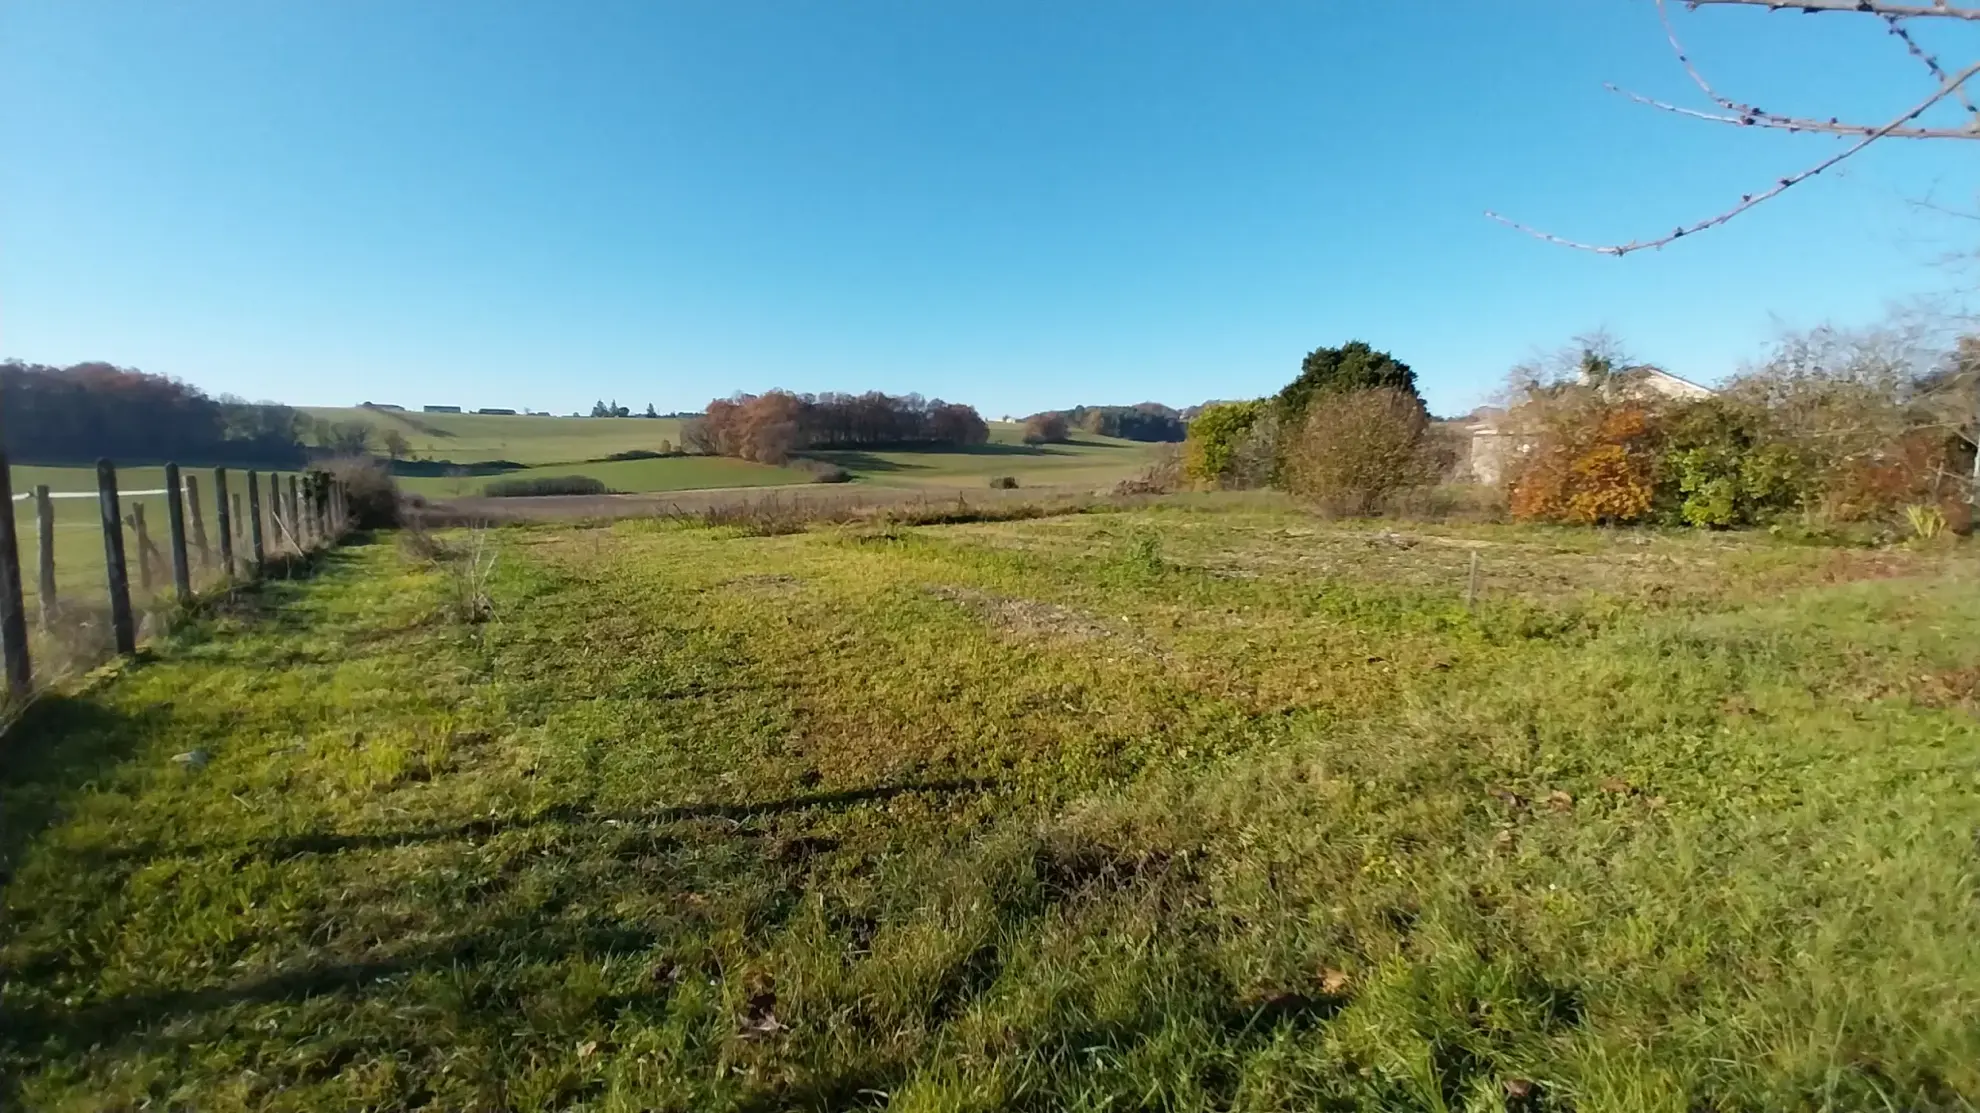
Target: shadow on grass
561	815
63	742
546	934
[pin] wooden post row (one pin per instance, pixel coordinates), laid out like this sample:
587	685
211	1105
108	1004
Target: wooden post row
175	532
113	557
224	516
143	534
44	527
259	554
196	516
13	606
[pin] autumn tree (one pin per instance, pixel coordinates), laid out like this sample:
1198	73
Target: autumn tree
1047	428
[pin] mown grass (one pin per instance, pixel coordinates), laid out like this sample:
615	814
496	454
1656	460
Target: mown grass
1189	808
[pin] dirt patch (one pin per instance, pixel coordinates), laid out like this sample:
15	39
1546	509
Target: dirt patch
1029	617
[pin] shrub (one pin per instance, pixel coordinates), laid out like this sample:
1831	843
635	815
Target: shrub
372	493
1162	475
1004	482
1355	450
1046	428
534	486
1211	447
638	454
1593	463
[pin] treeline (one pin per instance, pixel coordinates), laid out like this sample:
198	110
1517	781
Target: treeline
772	427
1147	421
76	414
1834	429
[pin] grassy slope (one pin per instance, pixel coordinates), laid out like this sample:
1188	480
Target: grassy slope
1067	814
565	443
1091	461
678	473
467	438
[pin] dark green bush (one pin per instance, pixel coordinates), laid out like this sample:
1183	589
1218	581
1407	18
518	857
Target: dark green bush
544	485
1004	482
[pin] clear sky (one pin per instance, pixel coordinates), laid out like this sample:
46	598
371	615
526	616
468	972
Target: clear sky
1020	204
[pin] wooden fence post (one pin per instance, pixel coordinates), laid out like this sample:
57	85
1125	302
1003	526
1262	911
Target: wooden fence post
294	522
13	607
175	533
240	534
308	516
224	518
143	536
113	557
254	522
198	519
44	528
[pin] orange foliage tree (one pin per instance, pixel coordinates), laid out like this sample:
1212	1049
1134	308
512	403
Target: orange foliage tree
1589	463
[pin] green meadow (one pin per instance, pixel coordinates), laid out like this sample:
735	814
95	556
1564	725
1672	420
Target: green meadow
1206	804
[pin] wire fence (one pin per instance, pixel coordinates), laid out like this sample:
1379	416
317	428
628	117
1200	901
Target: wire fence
91	564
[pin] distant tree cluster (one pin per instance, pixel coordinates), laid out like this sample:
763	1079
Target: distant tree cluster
603	408
771	427
1148	421
66	415
1049	427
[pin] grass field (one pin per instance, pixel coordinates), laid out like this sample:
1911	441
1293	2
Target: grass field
673	473
470	438
569	446
1203	806
1090	461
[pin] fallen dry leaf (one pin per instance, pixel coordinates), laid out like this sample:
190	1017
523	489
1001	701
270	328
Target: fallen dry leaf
1560	801
1334	982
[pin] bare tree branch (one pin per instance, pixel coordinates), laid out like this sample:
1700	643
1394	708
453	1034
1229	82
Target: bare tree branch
1782	186
1929	61
1747	115
1867	7
1798	123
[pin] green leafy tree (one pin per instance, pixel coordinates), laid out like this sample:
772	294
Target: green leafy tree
1352	366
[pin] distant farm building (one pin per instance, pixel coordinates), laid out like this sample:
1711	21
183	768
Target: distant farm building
490	410
1497	435
381	406
441	409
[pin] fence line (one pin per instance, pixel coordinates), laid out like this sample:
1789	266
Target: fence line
314	516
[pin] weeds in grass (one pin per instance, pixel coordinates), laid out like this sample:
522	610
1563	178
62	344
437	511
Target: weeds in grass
1926	522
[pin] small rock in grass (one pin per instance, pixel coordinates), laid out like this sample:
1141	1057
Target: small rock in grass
1334	982
1560	801
192	759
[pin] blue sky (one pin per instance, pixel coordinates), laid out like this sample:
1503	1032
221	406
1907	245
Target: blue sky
1020	204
